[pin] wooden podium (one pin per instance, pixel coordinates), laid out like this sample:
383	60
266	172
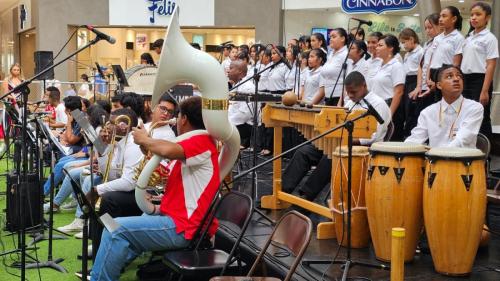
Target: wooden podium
310	122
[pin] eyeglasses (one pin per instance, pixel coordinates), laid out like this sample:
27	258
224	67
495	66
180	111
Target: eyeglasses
164	109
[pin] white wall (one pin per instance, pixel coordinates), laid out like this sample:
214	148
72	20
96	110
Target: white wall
136	13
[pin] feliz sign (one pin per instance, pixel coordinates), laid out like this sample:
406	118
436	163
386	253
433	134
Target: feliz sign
377	6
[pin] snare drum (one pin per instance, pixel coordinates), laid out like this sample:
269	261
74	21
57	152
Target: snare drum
454	207
394	195
360	233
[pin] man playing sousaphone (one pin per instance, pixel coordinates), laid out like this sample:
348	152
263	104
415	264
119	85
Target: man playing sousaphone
194	164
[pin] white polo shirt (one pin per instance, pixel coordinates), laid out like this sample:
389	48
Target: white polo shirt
387	77
445	47
427	54
330	72
291	78
311	84
361	66
449	125
383	110
374	65
277	77
264	78
476	50
412	60
239	112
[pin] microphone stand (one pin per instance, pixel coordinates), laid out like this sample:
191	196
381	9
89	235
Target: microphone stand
22	178
343	71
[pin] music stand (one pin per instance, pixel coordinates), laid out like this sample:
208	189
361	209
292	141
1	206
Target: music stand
120	76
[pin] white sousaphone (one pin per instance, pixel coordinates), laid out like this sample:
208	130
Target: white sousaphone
179	62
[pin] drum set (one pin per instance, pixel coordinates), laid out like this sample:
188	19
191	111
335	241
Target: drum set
441	191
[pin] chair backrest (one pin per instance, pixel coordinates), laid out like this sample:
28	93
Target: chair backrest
294	231
483	144
390	132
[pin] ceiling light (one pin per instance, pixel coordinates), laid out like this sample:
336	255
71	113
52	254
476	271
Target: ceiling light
461	1
416	15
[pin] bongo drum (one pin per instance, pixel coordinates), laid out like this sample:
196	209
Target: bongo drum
394	195
454	207
360	233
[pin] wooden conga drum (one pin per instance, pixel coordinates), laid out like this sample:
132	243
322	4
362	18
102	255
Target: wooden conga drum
360	233
454	207
394	195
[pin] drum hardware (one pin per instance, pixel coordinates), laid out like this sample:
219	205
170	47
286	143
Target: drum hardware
431	177
399	173
371	169
467	179
383	170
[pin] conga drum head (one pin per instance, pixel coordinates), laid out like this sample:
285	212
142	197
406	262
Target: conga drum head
397	148
343	151
455	153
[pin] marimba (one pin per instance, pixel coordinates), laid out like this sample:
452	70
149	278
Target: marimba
310	122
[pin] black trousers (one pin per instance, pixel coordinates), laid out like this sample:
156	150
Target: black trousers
436	93
411	108
473	83
245	131
302	161
398	119
116	204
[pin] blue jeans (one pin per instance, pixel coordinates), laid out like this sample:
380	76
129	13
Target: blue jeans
66	188
58	173
85	184
134	236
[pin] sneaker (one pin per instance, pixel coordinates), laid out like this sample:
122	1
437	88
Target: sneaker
46	208
69	206
74	226
3	148
79	274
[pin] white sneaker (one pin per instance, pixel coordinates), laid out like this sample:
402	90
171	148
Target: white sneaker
79	275
46	208
79	235
74	226
3	147
71	205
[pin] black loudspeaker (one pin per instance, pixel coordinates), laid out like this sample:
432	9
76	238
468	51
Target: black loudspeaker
129	45
44	59
31	201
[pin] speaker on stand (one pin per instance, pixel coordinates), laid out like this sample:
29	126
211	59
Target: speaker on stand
44	59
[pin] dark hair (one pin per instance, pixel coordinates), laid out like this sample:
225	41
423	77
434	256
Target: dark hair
376	34
191	108
305	55
244	47
73	102
129	112
408	33
306	40
359	31
319	53
104	104
296	41
295	51
484	6
281	49
117	98
360	44
321	38
243	55
354	78
85	77
54	93
135	102
267	52
455	12
342	32
433	18
148	58
439	74
158	43
167	97
257	47
95	113
86	102
196	46
392	42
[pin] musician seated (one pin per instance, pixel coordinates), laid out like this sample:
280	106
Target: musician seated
240	112
58	119
308	156
454	121
120	173
121	203
70	137
194	166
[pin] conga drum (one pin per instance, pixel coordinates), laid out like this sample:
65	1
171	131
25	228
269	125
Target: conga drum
360	233
394	195
454	207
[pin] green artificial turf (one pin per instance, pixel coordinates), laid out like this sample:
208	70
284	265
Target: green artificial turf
67	249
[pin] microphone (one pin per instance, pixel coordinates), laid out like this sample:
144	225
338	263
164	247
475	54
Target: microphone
372	111
101	35
282	59
367	22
